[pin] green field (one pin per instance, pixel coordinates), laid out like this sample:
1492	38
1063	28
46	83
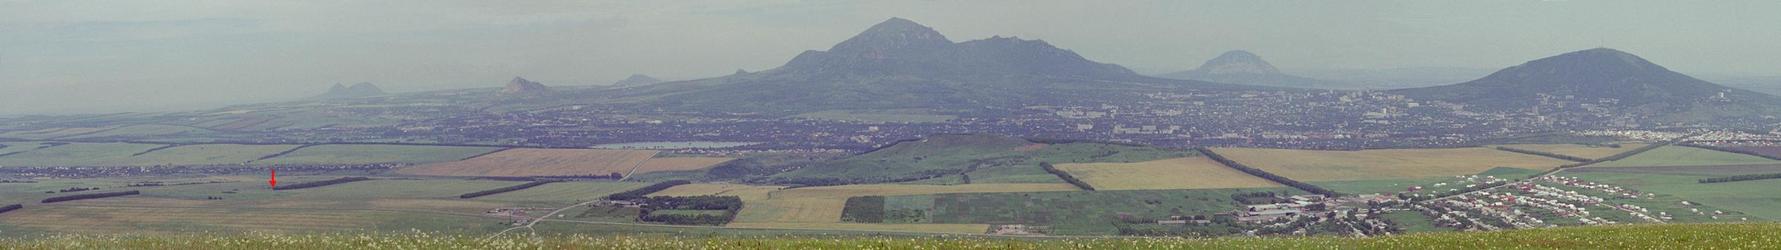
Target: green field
995	159
79	154
209	154
1684	156
1067	213
1704	236
15	147
364	154
137	131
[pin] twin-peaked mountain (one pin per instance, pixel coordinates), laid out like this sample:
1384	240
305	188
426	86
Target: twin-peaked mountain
1604	77
1242	67
901	64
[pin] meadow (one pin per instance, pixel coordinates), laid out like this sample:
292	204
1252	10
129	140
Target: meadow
1383	164
1685	156
1177	173
986	158
79	154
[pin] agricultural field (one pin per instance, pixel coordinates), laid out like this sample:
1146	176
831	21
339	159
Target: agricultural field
1586	151
79	154
16	147
1001	160
539	162
823	204
209	154
746	192
1758	198
1067	213
1685	156
1383	164
1177	173
50	133
77	218
562	193
868	227
367	154
1770	151
138	131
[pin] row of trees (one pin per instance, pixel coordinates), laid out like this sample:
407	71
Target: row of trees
504	189
1266	175
1066	176
1734	150
89	196
642	192
1544	153
1748	177
9	208
320	183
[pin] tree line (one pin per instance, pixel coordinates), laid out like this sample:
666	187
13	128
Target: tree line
1266	175
1748	177
89	196
642	192
1544	153
320	183
1066	176
504	189
9	208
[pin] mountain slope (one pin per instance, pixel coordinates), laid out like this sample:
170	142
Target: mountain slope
520	87
636	80
901	64
1242	67
1602	76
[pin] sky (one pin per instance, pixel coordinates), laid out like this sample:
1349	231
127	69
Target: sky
80	56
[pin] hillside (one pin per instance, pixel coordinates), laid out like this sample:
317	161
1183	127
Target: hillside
520	87
1605	78
901	64
985	158
1719	236
1243	67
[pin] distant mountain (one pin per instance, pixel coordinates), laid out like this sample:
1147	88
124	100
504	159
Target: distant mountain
1605	77
636	80
357	90
522	87
1242	67
901	64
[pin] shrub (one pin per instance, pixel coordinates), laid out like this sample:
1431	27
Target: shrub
313	184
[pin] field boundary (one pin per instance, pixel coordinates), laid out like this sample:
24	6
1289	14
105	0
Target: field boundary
285	152
152	150
486	153
504	189
1066	176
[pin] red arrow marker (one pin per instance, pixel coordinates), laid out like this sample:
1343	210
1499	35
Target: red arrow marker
273	182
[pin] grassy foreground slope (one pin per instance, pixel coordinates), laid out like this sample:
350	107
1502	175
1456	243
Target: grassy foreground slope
1701	236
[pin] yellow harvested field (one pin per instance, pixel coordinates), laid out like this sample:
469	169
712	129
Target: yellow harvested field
746	192
1177	173
912	228
1321	165
158	215
823	204
1579	150
662	164
539	162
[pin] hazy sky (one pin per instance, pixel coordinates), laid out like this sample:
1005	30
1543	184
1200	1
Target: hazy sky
77	56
